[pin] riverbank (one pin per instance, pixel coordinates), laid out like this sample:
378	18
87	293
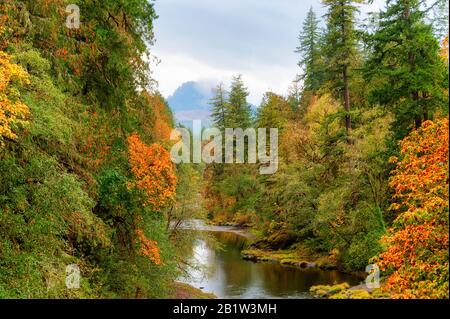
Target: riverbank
345	291
299	257
186	291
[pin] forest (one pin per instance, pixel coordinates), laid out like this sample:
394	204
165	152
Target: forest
86	175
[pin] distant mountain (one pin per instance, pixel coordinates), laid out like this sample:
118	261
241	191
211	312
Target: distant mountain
190	102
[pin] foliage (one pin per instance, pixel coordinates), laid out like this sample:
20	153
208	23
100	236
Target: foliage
416	252
13	112
149	248
153	169
408	75
220	108
309	48
340	49
65	194
239	114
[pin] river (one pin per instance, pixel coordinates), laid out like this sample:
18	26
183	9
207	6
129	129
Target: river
221	270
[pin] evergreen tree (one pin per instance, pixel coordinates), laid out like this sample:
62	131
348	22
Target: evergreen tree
294	94
239	110
219	107
409	77
341	42
309	49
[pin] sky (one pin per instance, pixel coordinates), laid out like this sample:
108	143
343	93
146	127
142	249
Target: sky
209	41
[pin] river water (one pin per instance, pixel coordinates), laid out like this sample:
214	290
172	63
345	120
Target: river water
221	270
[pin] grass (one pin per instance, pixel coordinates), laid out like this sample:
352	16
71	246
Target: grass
186	291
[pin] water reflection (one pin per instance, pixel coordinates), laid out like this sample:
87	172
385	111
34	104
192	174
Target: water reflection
221	270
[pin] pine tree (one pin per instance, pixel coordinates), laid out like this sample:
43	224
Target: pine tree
219	107
294	94
239	110
409	75
341	42
309	49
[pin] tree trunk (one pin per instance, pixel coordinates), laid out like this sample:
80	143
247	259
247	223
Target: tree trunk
346	102
425	107
418	117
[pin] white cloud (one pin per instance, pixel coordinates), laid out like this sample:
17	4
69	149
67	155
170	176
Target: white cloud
210	41
174	70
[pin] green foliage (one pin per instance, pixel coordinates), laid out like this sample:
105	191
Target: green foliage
309	47
220	108
407	74
239	114
274	111
64	184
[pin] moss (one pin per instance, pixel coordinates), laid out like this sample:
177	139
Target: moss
325	263
300	257
322	291
343	291
378	293
352	294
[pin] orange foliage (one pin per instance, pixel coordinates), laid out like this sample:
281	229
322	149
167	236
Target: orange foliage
149	248
417	245
154	171
162	119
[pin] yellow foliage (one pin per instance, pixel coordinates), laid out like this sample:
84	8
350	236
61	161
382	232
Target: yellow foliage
444	49
13	112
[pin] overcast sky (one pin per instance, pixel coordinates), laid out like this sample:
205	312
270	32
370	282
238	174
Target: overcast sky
210	40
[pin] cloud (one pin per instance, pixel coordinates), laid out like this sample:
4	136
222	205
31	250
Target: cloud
209	41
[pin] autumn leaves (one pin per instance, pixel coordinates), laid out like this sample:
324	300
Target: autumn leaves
155	176
13	112
153	170
417	245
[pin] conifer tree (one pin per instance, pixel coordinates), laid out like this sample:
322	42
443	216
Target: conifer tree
239	110
341	42
309	39
219	107
409	75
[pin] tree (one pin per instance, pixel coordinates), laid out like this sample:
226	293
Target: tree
148	248
219	110
239	114
162	117
341	41
13	112
408	75
274	111
416	252
309	49
153	170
